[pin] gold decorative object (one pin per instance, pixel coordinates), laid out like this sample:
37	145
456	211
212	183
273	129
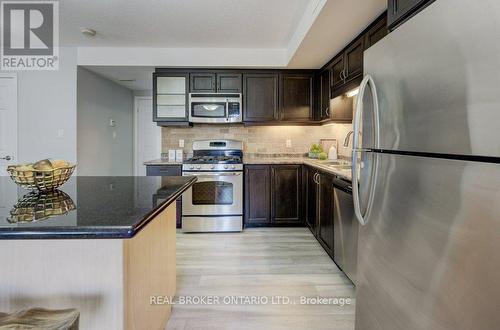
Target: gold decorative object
36	206
44	175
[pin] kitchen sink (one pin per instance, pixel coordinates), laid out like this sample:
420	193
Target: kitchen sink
338	164
340	167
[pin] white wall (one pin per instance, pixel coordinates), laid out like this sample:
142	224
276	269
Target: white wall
47	111
99	100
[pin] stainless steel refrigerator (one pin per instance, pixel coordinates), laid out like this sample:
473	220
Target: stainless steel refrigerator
426	173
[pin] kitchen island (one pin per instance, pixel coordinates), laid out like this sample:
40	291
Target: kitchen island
102	245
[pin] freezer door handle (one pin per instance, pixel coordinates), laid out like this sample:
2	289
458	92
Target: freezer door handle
367	81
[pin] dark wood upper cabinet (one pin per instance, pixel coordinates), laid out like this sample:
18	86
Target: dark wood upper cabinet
347	66
297	97
337	78
260	97
326	212
229	83
257	195
398	11
207	82
324	94
286	194
342	109
377	32
202	83
170	98
353	58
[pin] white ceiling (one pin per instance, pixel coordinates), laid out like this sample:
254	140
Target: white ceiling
339	22
181	23
135	36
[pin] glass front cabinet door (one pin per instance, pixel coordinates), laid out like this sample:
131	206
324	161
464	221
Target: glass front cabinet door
170	97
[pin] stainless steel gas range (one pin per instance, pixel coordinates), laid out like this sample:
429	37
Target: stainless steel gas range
215	202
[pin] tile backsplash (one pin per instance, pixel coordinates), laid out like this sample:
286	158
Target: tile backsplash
258	139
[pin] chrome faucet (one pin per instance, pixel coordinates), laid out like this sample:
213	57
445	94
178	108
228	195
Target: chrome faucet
347	138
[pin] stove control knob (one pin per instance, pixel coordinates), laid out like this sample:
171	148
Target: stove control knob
233	167
191	167
225	167
212	167
198	167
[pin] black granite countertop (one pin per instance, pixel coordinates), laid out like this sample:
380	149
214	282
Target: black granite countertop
87	207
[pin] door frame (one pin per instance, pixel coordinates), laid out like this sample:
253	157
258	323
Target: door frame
136	108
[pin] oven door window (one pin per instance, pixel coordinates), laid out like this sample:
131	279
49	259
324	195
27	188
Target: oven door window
213	193
208	110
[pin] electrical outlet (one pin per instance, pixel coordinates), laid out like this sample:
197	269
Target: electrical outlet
114	135
181	143
288	143
60	132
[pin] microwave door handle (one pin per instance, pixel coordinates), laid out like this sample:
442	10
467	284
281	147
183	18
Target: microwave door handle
363	218
227	110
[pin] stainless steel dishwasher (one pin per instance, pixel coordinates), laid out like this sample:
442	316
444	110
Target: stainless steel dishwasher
345	229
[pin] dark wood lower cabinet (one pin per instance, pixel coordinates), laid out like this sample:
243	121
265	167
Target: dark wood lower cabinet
286	195
257	195
311	199
320	207
166	170
273	195
326	212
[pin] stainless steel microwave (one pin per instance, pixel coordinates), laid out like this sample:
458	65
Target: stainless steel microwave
215	108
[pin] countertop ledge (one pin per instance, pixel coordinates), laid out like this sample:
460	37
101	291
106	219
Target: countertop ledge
161	162
318	164
106	207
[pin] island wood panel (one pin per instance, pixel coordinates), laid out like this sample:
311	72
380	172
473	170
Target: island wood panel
86	274
109	281
149	270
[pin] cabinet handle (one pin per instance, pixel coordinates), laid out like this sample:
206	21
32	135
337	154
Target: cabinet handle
316	178
327	111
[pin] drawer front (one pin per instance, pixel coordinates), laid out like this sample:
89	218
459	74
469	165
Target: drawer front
164	170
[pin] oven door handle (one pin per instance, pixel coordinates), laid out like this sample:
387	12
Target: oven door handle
212	174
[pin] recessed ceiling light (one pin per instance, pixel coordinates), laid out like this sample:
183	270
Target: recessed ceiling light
88	32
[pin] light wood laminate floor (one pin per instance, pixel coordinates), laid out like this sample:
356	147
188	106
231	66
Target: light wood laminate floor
259	262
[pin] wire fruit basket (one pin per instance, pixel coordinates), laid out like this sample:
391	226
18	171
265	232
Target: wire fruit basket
45	175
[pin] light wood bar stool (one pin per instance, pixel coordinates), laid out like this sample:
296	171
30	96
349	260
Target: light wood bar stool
39	318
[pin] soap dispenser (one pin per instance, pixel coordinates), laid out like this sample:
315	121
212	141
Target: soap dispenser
332	152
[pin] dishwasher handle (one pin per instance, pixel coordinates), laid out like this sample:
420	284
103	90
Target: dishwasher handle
342	184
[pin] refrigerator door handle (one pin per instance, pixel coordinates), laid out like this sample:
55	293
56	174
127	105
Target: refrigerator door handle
363	218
